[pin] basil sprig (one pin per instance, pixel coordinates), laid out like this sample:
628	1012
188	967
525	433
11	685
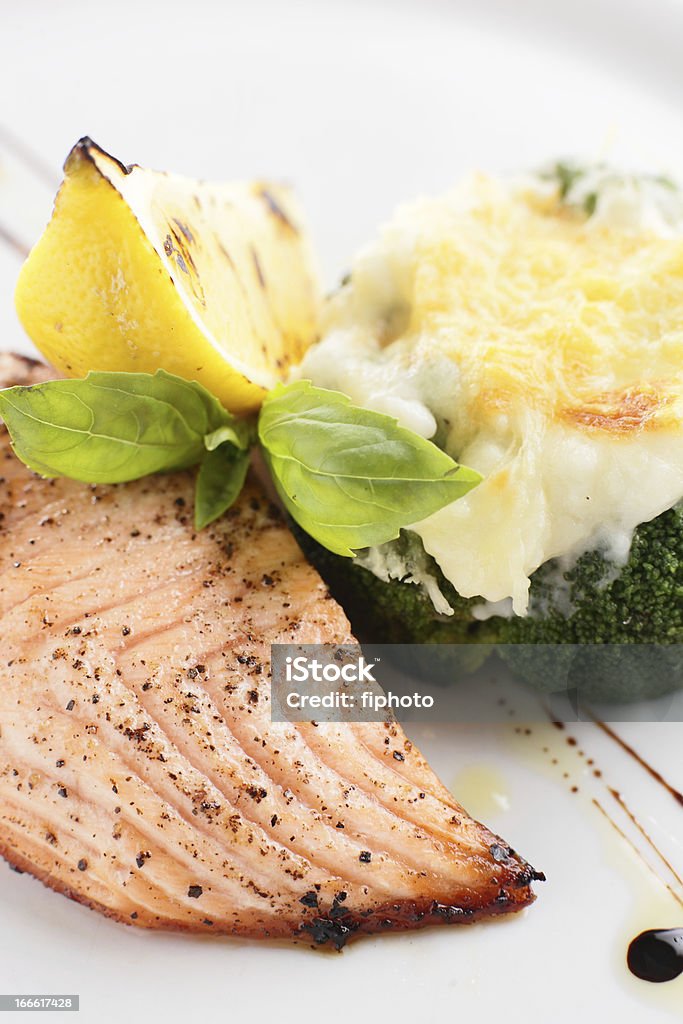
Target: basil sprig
219	482
114	427
350	477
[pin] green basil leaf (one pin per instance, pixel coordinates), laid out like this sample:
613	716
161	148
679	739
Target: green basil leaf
350	477
236	433
219	482
199	408
112	427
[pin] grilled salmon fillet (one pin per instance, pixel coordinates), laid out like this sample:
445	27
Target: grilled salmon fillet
140	771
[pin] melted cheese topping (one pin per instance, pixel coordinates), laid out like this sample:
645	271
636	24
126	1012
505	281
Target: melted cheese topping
542	347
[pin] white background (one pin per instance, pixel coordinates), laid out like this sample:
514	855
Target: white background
362	105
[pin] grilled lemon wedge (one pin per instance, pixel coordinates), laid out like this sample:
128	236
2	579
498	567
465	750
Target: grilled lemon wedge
139	270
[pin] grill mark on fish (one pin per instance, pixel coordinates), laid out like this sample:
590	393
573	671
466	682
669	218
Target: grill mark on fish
172	795
272	807
408	790
145	834
363	806
130	765
268	782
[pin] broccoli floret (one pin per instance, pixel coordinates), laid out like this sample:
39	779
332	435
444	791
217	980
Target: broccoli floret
641	603
596	603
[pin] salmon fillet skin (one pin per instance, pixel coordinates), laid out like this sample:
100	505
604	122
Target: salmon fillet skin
140	771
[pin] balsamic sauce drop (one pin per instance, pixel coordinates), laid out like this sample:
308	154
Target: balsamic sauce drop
657	955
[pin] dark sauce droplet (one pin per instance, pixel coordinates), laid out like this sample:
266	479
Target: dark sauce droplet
657	955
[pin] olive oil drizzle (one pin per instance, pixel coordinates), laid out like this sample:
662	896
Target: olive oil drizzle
655	955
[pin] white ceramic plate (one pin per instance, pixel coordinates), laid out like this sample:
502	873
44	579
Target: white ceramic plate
362	105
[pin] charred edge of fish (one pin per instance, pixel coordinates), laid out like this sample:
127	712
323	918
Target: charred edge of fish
341	923
529	875
503	854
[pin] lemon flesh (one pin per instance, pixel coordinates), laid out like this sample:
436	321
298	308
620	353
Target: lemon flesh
139	270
